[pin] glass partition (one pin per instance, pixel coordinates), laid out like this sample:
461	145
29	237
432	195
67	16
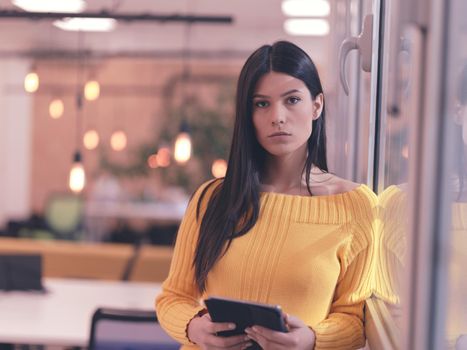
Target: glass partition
422	177
455	114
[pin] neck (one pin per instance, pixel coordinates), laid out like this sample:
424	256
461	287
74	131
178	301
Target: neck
284	173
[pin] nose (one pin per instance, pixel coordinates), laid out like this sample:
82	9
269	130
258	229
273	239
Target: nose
278	116
277	122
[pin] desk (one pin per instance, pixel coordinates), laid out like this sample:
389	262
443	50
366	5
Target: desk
96	261
62	316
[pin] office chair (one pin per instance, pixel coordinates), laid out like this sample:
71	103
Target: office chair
63	215
117	329
63	219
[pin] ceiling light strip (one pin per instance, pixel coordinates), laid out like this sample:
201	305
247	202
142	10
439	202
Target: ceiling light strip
130	17
302	8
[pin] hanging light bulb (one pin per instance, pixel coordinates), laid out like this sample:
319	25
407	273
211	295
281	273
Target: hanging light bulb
183	148
118	141
31	82
92	90
56	108
182	151
77	178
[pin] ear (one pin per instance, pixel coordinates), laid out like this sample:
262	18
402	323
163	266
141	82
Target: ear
318	105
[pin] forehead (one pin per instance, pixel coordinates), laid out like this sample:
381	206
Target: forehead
274	83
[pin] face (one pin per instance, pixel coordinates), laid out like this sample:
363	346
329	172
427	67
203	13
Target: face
283	112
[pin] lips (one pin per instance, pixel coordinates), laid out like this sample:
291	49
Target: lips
280	133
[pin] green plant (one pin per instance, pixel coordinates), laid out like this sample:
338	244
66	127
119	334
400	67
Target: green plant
210	130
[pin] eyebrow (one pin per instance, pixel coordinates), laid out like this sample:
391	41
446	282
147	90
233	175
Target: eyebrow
282	95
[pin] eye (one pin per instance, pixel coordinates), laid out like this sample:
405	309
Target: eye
261	104
293	100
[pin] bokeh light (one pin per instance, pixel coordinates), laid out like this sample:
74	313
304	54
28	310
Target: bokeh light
91	139
56	108
219	168
118	141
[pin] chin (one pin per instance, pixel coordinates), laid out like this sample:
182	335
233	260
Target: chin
281	150
276	152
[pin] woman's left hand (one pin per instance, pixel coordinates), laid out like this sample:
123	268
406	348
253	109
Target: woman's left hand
300	336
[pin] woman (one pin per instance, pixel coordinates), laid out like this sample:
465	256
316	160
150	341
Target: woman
278	229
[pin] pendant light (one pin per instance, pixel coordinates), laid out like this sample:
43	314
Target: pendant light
77	178
182	151
183	148
92	90
31	81
56	108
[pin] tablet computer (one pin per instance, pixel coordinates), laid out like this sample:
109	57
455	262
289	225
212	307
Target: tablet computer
245	314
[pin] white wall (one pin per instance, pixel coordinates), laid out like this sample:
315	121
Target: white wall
15	141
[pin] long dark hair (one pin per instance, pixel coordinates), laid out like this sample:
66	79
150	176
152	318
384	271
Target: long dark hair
233	207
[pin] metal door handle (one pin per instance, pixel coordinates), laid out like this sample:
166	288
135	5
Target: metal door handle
363	43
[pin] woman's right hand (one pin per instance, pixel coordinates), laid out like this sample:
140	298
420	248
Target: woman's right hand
202	331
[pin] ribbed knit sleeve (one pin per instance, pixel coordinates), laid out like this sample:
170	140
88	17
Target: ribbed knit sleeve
343	328
179	301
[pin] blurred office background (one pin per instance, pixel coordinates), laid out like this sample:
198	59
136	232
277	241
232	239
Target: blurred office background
120	95
107	127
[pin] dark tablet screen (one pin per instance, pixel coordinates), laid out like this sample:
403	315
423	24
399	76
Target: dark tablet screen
245	314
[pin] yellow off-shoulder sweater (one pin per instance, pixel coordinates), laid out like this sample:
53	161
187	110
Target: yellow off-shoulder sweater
309	254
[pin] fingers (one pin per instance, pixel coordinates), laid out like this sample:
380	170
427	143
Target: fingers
234	342
214	327
211	338
206	335
265	336
294	322
300	335
263	342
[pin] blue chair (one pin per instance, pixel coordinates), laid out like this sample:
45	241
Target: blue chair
115	329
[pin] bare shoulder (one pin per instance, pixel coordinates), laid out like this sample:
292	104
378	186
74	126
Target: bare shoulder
323	184
343	185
